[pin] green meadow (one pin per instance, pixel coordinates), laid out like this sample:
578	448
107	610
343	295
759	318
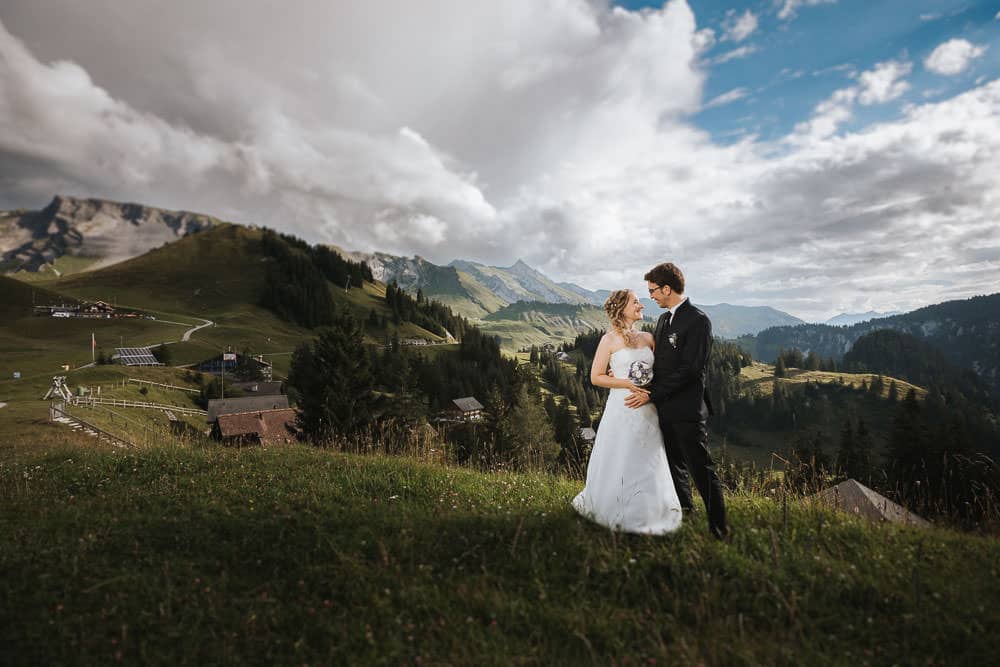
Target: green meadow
298	555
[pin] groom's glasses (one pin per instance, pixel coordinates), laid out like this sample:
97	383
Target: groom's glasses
655	290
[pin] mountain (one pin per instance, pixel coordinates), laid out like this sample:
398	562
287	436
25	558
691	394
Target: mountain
966	331
526	323
78	234
469	288
478	291
847	319
905	356
729	321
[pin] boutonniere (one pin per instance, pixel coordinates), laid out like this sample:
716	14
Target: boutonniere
672	339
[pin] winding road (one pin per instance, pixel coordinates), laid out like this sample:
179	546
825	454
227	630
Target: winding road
187	334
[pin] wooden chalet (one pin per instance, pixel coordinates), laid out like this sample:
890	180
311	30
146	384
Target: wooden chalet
466	409
218	407
215	365
264	427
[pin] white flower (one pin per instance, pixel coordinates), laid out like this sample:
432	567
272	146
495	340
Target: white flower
640	373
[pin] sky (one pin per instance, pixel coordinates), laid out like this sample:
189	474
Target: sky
817	156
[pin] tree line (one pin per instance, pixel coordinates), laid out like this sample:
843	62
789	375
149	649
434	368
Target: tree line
298	277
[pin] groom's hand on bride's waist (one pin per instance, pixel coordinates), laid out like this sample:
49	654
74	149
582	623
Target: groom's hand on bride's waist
637	397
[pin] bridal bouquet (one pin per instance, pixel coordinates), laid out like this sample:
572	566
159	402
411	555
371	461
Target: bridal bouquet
640	373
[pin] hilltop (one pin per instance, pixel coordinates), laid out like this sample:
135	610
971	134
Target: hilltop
966	331
305	555
73	234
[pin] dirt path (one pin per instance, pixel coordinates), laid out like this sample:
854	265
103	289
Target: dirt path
187	334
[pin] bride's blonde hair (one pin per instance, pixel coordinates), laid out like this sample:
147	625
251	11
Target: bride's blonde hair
615	306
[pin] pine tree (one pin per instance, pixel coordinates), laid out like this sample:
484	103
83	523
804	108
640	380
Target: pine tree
779	368
863	446
847	453
333	381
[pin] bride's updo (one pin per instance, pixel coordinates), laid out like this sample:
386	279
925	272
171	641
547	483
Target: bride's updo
615	306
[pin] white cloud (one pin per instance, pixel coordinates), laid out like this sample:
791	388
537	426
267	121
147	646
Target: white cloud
876	86
558	132
789	8
727	98
734	54
953	57
883	83
738	27
929	17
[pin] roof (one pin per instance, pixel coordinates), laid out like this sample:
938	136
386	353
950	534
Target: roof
259	388
136	356
854	497
468	404
270	426
229	406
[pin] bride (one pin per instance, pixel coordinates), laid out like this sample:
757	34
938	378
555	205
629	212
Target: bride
629	487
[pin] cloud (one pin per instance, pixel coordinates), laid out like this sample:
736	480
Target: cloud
953	57
738	27
789	8
876	86
727	98
558	132
883	83
734	54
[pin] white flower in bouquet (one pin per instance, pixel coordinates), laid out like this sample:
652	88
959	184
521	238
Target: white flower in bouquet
640	372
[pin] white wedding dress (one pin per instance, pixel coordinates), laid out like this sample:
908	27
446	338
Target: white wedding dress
629	487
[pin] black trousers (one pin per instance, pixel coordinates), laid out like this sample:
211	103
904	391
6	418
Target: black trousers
687	452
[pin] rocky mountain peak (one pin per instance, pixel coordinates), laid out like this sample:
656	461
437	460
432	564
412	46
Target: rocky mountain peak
103	230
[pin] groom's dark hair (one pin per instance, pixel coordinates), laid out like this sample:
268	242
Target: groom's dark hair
666	274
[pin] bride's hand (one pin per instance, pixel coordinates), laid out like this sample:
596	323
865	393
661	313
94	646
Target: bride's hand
637	398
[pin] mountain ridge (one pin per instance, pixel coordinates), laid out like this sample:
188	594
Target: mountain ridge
100	231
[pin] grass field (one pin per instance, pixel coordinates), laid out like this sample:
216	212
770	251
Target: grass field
297	555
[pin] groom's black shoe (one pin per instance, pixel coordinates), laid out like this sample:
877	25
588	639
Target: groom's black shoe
724	534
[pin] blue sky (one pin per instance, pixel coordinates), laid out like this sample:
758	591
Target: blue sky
796	62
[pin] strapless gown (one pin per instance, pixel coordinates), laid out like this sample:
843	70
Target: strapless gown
629	487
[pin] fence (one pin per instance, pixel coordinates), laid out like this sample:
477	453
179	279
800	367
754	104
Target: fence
57	411
122	403
168	386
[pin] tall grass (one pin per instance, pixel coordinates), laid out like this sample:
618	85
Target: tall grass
175	554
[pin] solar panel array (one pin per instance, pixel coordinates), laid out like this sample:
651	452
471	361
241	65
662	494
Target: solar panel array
136	356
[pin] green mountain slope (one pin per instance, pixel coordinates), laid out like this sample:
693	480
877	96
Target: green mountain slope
306	556
523	324
967	331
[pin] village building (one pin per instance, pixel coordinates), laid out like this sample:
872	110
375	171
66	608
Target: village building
855	498
562	356
230	406
217	364
263	427
467	409
96	309
259	388
588	435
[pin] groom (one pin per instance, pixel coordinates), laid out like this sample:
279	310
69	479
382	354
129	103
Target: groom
683	340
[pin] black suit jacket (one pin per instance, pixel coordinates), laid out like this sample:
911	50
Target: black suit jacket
680	365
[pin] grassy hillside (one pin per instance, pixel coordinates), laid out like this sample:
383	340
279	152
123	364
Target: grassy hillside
523	324
297	555
215	275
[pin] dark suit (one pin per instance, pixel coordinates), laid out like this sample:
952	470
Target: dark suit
679	392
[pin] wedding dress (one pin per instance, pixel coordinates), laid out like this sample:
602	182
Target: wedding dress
629	487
